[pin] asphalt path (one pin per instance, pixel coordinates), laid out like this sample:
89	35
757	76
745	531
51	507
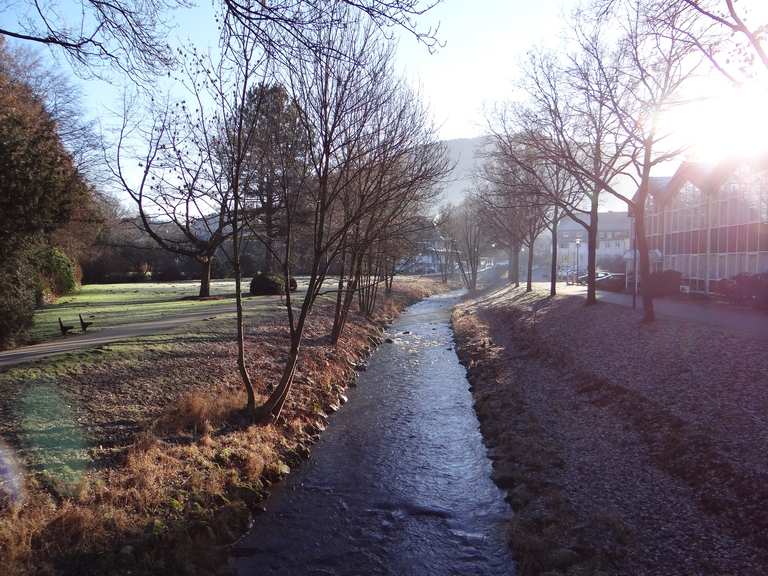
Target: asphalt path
99	337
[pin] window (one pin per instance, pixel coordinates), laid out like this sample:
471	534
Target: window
733	211
742	238
763	239
713	275
753	233
733	238
733	265
762	262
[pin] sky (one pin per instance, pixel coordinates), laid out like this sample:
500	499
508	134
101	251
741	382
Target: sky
483	40
484	43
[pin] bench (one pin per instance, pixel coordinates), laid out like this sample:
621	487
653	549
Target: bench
83	324
64	328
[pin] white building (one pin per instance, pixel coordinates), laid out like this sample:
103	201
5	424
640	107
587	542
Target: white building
710	222
613	230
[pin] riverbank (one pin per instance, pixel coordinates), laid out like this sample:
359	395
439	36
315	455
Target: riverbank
400	483
624	448
124	460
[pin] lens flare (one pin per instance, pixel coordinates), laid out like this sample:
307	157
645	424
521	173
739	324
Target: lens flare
11	478
54	443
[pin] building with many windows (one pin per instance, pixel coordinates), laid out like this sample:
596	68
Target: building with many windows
613	229
710	222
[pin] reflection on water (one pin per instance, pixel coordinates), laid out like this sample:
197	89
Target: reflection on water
400	482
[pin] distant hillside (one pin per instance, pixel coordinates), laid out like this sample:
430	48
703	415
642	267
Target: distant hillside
463	153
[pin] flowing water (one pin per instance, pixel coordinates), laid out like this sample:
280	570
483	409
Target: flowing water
399	483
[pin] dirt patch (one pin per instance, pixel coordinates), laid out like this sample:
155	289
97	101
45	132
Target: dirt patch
132	461
613	459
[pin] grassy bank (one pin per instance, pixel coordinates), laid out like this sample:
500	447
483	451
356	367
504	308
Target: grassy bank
115	304
624	448
126	459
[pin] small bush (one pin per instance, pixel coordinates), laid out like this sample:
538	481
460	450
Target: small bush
17	295
267	284
665	283
57	273
749	289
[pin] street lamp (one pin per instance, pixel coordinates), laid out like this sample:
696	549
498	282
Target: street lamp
578	246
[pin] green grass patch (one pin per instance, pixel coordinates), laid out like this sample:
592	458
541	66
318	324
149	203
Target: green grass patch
116	304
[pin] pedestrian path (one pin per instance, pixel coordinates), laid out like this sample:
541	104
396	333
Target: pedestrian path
746	321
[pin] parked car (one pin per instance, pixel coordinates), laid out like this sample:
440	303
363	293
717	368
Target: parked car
611	282
583	279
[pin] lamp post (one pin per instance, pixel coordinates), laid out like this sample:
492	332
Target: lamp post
578	247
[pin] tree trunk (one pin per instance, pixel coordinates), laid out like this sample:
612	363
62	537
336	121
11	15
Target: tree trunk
251	398
649	314
510	266
205	276
529	281
337	320
592	240
269	233
271	409
553	265
516	266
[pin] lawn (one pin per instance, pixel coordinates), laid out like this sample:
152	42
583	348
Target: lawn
115	304
116	456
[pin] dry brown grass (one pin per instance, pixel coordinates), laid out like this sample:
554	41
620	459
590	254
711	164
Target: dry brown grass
544	533
168	500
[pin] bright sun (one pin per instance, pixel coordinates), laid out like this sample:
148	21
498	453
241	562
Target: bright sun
730	122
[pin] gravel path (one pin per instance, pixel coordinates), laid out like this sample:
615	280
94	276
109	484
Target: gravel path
650	437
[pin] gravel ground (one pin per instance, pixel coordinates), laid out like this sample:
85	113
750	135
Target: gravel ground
649	439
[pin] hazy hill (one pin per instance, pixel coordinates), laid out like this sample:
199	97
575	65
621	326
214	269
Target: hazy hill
463	153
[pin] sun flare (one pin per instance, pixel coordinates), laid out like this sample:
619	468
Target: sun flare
731	122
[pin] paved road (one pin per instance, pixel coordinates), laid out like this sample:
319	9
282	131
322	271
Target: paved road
109	334
743	320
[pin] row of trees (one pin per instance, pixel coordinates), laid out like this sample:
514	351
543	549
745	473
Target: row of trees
295	133
327	154
594	119
49	213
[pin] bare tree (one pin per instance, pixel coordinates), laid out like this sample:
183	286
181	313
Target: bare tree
181	203
513	205
653	62
724	33
342	93
551	187
126	34
130	35
462	225
569	123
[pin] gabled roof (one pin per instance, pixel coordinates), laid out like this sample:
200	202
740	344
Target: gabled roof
703	176
611	220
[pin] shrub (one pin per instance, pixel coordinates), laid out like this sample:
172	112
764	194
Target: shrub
745	289
57	274
17	295
267	283
665	283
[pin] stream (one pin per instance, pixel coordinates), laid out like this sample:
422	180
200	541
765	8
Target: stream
399	483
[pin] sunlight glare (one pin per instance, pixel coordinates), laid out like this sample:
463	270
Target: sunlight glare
733	122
